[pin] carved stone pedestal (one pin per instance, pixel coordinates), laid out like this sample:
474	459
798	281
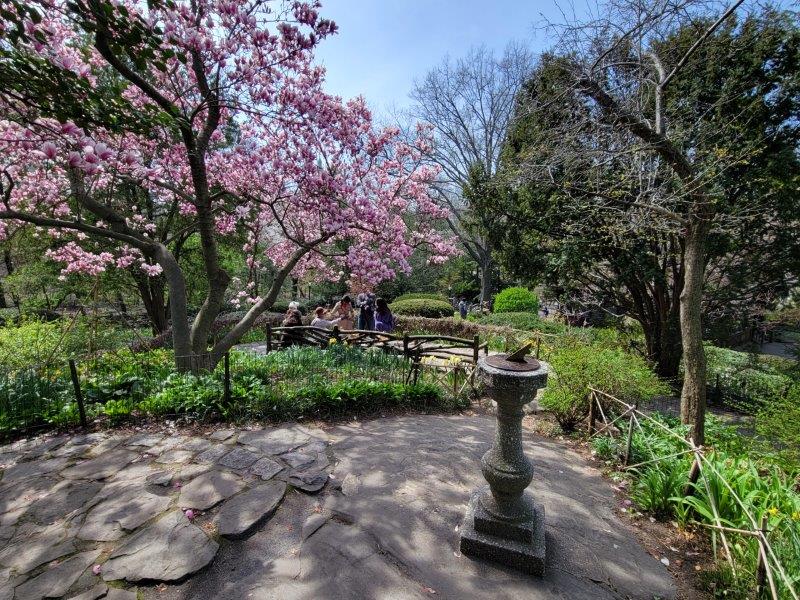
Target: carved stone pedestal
503	523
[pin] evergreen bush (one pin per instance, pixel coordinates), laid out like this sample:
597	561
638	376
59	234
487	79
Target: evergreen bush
516	299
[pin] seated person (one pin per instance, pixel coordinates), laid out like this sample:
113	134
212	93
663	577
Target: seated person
291	338
384	319
320	320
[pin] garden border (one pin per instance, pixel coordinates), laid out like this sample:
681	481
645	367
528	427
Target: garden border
769	568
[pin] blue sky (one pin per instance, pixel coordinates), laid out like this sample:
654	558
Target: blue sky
382	45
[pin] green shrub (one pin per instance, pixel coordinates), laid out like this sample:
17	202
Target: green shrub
422	296
37	342
432	309
516	299
778	422
118	410
749	381
29	398
575	368
524	321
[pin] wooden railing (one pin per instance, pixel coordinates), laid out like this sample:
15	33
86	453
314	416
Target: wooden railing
415	347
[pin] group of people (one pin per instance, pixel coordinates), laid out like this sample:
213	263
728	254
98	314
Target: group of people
373	315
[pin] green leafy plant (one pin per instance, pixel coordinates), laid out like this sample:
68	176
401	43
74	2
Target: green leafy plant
183	393
118	410
422	296
778	422
660	486
29	398
576	368
605	447
516	299
432	309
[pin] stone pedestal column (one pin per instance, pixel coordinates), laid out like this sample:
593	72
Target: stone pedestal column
503	522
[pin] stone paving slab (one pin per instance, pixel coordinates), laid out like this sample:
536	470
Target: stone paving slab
245	511
168	550
55	581
209	489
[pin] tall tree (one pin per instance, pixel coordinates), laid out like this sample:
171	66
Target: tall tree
218	120
469	103
658	153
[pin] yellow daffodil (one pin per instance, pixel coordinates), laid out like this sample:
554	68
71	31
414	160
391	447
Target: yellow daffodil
772	511
796	515
331	341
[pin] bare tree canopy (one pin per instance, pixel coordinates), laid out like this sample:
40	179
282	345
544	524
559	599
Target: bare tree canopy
469	102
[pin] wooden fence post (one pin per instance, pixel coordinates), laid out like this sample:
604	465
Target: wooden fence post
538	346
78	395
476	348
336	333
694	475
405	345
592	413
761	570
227	384
627	457
269	338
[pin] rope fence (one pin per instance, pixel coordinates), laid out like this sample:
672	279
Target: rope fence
612	417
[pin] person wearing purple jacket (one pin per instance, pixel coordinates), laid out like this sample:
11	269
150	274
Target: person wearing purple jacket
384	319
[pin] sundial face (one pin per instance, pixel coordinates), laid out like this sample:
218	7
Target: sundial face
514	361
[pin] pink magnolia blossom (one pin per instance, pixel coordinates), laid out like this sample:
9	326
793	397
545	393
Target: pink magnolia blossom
305	171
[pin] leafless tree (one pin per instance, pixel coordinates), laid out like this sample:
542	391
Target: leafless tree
469	103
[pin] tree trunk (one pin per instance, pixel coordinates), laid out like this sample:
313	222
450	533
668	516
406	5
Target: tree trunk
486	279
9	269
151	291
663	343
181	340
693	395
218	280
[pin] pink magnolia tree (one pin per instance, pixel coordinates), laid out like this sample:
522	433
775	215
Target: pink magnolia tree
223	130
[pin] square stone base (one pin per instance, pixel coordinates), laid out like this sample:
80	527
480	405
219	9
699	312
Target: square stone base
520	546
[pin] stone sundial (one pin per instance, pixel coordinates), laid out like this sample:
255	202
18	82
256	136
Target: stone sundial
503	522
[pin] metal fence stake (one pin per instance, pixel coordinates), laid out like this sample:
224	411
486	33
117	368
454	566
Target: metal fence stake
73	372
227	388
629	441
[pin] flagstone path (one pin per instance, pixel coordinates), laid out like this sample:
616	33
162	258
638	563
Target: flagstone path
365	510
79	511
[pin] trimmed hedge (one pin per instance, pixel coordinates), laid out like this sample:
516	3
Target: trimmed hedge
525	321
516	299
432	309
421	296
